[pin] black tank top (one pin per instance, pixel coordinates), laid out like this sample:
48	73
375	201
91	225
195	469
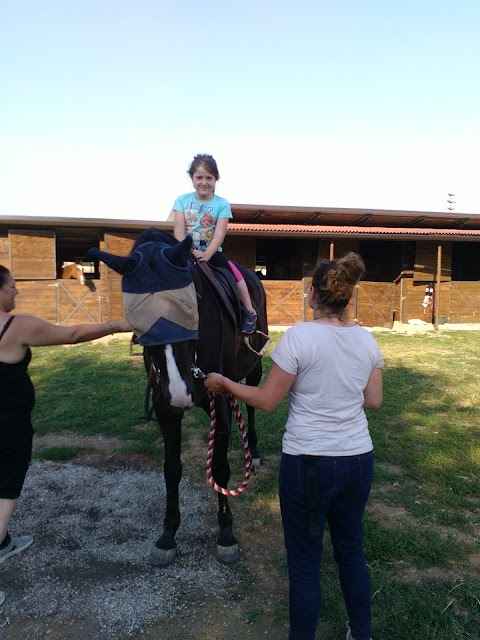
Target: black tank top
17	396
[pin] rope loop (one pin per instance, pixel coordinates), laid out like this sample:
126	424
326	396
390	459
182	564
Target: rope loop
249	466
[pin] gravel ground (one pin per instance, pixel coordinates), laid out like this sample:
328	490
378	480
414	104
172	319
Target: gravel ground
94	524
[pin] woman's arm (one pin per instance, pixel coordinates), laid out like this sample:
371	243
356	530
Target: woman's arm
179	232
373	392
267	397
35	332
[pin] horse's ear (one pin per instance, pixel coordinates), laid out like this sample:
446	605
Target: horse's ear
179	253
120	264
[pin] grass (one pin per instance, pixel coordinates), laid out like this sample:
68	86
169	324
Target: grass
422	528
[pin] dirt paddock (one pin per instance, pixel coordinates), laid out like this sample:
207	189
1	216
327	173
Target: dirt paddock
87	575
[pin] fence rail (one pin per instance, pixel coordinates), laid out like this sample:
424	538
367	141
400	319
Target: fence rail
374	304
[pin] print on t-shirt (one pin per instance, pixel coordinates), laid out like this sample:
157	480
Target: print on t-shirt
199	224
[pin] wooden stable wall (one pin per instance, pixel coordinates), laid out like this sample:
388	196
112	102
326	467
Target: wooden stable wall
374	304
426	261
112	299
63	302
460	302
287	303
31	257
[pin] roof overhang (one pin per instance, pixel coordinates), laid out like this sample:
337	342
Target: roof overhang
318	231
104	223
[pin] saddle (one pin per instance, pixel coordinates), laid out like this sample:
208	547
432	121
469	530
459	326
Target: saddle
224	286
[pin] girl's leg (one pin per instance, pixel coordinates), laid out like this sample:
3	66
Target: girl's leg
245	296
249	315
345	521
249	318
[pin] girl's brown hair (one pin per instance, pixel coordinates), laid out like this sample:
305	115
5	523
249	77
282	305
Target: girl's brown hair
203	159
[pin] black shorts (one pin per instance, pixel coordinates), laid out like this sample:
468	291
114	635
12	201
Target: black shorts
15	456
219	260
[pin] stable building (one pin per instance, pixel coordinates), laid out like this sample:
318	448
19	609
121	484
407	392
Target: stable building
419	264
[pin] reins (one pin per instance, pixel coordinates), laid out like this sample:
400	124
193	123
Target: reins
249	466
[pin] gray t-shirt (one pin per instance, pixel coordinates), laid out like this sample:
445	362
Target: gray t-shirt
332	366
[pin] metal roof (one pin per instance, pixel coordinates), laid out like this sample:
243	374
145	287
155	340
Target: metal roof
278	215
397	233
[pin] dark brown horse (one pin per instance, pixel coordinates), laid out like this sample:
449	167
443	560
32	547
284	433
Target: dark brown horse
219	346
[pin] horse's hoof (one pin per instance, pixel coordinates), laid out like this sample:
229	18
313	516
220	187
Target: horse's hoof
256	462
162	557
228	555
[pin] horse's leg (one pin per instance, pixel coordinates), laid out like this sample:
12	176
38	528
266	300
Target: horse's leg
165	548
227	544
253	379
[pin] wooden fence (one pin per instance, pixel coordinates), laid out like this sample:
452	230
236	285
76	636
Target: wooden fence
374	304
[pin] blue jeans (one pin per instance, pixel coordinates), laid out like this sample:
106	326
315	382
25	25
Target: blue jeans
314	490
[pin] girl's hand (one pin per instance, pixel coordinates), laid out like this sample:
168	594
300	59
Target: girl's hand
200	255
215	384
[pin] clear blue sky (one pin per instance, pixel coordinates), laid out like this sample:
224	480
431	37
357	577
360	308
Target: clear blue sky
335	103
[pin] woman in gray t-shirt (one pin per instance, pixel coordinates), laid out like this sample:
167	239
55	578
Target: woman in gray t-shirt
331	369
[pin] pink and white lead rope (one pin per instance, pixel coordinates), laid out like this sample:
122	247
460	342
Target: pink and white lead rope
249	467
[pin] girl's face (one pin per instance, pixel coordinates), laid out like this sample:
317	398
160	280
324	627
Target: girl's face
204	184
7	294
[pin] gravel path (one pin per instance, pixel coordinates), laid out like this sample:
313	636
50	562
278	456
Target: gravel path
94	524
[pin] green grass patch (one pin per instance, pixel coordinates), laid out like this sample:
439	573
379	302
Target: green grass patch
60	453
425	566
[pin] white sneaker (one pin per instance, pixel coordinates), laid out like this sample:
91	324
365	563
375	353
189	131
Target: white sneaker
15	546
2	597
349	633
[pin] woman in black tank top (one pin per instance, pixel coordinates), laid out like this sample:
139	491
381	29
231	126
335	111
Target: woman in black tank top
17	396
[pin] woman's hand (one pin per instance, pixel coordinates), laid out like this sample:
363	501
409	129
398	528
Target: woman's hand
123	326
215	383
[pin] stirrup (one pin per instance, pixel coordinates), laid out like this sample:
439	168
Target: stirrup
246	340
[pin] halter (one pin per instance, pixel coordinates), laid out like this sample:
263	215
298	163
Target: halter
249	467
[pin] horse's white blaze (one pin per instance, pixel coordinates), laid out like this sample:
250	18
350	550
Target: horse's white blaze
177	388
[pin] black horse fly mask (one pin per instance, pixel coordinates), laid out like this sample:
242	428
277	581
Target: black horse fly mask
160	302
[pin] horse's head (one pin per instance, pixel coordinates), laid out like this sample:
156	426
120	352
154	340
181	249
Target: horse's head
160	303
159	296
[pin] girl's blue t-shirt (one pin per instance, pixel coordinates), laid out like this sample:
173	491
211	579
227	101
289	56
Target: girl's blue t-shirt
201	217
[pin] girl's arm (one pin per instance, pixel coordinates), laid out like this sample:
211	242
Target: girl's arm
267	397
217	239
373	392
179	232
35	332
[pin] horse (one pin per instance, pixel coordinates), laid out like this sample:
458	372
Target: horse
74	271
199	333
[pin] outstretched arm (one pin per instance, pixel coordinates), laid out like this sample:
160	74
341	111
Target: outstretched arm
35	332
267	397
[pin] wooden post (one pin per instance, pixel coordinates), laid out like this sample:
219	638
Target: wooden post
306	284
439	279
332	249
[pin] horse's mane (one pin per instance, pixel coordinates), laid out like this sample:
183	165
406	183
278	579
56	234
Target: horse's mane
153	235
